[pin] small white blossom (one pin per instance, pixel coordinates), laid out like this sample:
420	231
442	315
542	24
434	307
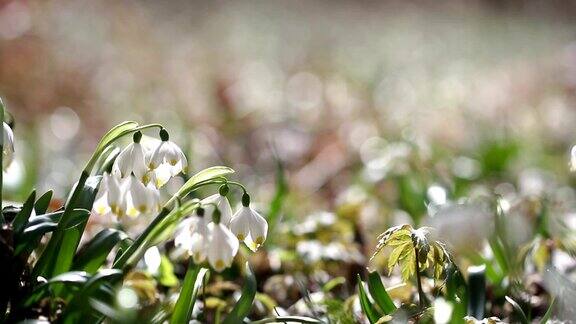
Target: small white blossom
222	246
192	235
167	153
221	202
111	197
8	146
130	161
249	226
143	199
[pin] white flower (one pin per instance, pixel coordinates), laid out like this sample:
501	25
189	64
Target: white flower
222	246
143	199
131	160
222	203
249	226
169	154
8	145
192	235
111	197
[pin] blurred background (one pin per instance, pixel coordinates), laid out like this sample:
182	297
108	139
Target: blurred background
342	117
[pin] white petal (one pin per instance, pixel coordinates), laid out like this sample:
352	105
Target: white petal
258	228
222	248
223	205
240	223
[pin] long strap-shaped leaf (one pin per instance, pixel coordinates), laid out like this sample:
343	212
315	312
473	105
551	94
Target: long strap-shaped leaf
367	307
22	217
190	287
94	253
244	304
379	293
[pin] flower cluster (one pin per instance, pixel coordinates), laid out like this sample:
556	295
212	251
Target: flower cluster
132	188
214	233
8	146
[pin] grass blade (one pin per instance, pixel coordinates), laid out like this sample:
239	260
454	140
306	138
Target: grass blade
378	292
94	253
22	217
244	304
42	204
518	310
190	287
367	307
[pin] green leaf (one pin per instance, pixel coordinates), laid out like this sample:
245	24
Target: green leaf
379	293
548	314
395	254
166	273
73	278
518	310
78	307
477	291
114	133
91	257
367	307
111	154
244	304
275	208
22	217
185	304
40	225
73	234
203	176
42	204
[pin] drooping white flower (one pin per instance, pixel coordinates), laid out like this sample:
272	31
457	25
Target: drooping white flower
168	154
143	199
8	146
217	201
249	226
222	246
192	235
111	197
131	160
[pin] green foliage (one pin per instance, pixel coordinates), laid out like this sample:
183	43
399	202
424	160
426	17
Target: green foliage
192	282
244	304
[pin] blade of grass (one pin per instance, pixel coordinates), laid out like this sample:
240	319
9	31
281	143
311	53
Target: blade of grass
42	204
185	304
367	307
518	310
378	292
244	304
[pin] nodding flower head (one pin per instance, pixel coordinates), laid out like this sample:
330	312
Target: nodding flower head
222	246
192	235
8	146
131	160
169	154
249	226
111	197
221	202
143	199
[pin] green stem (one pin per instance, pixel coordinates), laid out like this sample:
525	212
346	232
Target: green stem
421	296
57	235
185	303
123	260
90	165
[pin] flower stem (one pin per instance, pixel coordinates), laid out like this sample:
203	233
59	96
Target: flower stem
139	243
421	296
